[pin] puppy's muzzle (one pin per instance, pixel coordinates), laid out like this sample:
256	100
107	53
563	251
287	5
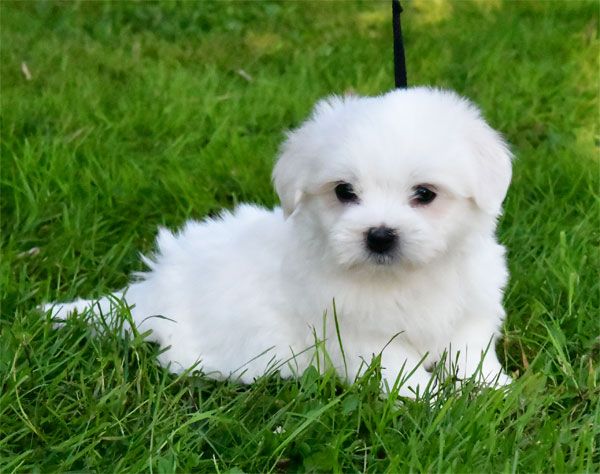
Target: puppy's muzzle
381	240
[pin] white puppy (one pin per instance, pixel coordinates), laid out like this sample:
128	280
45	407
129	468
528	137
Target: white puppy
389	208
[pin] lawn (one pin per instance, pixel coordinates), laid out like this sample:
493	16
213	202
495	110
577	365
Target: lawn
120	117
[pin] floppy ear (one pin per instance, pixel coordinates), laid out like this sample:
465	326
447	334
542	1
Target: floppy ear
298	155
288	178
494	168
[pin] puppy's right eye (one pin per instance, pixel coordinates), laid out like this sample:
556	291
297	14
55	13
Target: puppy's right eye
423	195
345	193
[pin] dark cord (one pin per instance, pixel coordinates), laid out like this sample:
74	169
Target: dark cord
399	61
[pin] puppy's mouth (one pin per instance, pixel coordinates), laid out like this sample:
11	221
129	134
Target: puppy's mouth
383	259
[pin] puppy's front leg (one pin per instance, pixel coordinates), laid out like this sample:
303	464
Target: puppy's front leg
408	371
472	352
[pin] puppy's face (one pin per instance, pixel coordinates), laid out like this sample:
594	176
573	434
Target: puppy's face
388	222
393	180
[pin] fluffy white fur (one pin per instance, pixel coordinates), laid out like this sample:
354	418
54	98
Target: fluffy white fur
249	287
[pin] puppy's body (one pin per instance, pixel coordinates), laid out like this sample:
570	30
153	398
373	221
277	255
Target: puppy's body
249	288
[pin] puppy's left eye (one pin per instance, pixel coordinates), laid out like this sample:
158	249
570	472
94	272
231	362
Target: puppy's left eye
345	193
423	195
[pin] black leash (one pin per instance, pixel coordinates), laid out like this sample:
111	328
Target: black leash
399	61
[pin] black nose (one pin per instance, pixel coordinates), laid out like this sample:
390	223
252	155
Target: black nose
381	239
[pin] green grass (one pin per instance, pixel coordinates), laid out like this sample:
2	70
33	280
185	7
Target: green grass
135	116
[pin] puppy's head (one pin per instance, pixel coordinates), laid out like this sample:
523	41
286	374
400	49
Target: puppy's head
400	178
